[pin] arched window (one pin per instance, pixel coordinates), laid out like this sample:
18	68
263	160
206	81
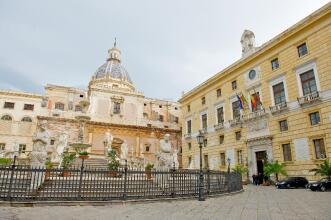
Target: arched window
26	119
59	106
7	118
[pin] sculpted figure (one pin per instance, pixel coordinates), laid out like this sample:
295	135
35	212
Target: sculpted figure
39	153
39	150
61	146
124	150
108	141
247	41
165	159
175	158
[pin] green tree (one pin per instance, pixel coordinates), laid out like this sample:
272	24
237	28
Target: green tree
240	169
323	169
274	168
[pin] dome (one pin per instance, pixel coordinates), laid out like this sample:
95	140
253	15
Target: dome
112	68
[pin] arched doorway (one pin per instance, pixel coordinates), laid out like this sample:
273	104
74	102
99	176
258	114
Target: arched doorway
116	145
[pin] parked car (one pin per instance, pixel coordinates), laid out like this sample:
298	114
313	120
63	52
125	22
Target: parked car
323	184
291	182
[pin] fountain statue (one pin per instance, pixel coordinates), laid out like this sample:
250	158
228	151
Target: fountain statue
38	155
124	150
108	141
164	157
60	147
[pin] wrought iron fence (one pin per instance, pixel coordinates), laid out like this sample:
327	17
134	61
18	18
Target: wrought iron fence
23	183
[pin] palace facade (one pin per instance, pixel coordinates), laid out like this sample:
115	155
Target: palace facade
272	104
114	106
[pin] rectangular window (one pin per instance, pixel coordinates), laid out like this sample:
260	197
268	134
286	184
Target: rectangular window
28	107
274	64
189	145
52	142
203	100
308	82
302	49
222	159
9	105
238	135
59	106
147	148
204	121
117	108
314	118
78	108
205	158
319	148
239	157
287	154
189	161
218	92
279	93
189	126
22	148
235	109
234	85
161	118
220	115
2	146
188	108
221	139
283	125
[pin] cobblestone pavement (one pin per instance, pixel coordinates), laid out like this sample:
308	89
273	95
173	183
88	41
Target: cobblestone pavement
257	202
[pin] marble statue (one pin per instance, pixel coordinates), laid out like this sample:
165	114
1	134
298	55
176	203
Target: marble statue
108	141
141	151
38	155
164	157
60	147
175	158
39	150
124	150
247	42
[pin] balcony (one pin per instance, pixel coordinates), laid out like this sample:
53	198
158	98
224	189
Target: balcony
235	122
188	136
309	98
255	115
219	126
278	108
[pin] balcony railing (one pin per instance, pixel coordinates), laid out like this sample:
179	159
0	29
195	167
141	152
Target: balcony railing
255	115
219	126
309	98
235	122
188	136
278	108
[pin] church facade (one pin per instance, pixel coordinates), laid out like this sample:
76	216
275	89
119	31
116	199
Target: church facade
113	106
272	104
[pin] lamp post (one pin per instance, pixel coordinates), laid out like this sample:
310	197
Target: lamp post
200	140
229	162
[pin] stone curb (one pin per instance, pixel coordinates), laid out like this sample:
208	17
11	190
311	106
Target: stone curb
102	203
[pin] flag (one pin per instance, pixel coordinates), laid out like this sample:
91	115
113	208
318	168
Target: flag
253	102
240	102
257	97
243	100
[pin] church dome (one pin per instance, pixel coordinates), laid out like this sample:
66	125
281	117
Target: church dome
112	68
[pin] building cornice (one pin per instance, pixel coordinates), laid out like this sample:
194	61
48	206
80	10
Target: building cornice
133	127
278	39
20	94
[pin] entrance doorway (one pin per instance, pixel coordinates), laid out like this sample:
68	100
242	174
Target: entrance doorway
261	157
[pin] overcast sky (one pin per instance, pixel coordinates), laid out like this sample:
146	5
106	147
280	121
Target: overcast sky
167	46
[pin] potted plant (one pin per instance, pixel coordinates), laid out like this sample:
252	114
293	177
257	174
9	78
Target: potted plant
83	155
273	168
323	169
67	160
5	161
49	165
148	170
113	163
242	170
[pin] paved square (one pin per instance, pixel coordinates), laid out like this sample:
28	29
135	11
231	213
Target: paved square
255	203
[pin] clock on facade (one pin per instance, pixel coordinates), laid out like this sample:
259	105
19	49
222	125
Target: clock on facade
252	74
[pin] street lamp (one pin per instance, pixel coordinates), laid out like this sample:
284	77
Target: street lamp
229	162
201	141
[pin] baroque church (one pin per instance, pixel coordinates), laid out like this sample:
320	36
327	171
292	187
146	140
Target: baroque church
110	105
